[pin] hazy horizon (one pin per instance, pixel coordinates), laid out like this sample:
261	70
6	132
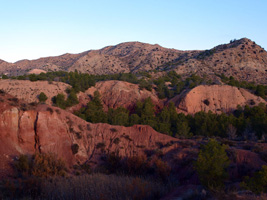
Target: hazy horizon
33	29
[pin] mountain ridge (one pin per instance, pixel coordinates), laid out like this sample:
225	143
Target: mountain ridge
243	59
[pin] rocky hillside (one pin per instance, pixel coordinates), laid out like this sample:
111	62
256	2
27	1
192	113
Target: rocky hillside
26	129
56	63
120	93
29	91
215	98
113	93
125	57
242	59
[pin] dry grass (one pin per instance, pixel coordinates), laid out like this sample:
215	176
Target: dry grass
102	187
87	187
41	177
40	165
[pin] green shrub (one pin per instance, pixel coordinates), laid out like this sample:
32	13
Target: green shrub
59	101
162	169
23	164
45	165
136	165
211	164
4	76
50	110
257	183
42	97
40	165
101	146
75	148
116	141
72	99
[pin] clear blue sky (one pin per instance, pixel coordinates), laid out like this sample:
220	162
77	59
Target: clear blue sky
30	29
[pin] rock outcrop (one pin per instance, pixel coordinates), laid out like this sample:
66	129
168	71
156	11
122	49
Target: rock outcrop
36	71
26	130
215	98
121	93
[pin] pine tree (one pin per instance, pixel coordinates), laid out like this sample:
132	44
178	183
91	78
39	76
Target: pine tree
211	164
42	97
94	112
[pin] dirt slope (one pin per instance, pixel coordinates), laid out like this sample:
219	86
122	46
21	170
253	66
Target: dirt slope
113	93
120	93
215	98
36	71
29	91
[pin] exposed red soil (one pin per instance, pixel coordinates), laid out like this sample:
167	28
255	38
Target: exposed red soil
214	98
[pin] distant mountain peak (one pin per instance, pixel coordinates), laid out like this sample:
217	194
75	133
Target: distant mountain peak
2	61
242	59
